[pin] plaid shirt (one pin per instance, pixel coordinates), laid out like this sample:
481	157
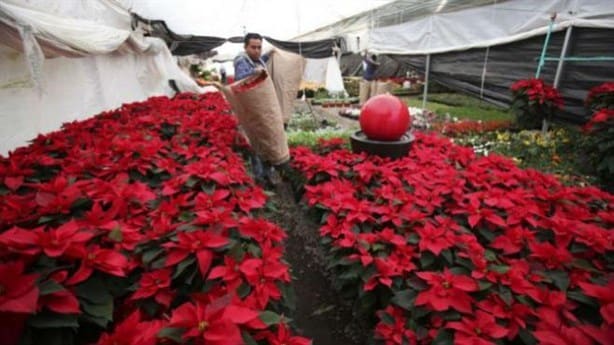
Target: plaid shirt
245	66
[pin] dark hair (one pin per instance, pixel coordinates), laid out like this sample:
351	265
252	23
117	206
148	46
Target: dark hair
251	36
374	57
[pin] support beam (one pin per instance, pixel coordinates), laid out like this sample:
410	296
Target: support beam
426	80
559	67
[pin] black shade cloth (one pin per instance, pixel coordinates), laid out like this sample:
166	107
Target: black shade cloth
178	44
192	44
310	49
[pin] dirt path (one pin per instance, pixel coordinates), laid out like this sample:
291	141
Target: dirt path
320	313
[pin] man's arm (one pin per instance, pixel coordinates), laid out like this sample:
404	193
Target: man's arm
242	69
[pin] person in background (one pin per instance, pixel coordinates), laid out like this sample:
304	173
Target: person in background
370	65
223	74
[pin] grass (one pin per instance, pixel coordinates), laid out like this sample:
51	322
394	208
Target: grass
460	106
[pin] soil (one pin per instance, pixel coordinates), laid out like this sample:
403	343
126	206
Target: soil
321	314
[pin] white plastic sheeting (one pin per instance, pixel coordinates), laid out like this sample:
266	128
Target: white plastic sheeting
98	64
334	80
325	72
436	26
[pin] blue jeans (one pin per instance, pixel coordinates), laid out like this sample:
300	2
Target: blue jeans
261	170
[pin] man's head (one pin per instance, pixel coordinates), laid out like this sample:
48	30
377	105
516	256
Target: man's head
253	45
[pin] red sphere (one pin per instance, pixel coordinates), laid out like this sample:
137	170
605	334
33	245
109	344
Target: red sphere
384	118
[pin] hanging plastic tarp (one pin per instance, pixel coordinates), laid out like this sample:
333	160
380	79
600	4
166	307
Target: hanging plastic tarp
334	80
62	61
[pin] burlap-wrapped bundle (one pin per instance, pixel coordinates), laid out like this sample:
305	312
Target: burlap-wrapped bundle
286	71
255	102
364	91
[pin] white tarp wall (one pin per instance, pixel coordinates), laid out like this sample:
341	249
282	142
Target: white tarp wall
325	72
80	58
419	27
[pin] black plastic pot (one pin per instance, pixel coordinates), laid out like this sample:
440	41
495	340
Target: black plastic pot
391	149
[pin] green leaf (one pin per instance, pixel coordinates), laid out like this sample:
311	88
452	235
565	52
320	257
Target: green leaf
484	285
101	314
465	263
488	235
288	295
526	337
404	299
413	238
419	312
416	283
186	216
94	291
191	182
270	318
49	287
490	255
499	268
559	278
116	235
451	315
582	298
247	338
174	334
460	271
45	219
426	259
183	265
444	337
506	294
387	318
151	255
447	254
53	320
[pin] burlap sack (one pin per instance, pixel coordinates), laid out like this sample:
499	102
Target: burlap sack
254	101
364	91
382	87
286	71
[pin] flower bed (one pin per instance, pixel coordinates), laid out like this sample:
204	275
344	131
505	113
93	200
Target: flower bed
465	127
139	226
448	247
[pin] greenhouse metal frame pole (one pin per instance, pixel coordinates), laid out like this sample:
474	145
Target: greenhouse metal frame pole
484	71
559	67
426	80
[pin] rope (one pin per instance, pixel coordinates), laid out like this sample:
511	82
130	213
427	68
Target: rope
542	58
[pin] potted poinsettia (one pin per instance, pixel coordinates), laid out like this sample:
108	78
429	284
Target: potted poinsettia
599	143
534	102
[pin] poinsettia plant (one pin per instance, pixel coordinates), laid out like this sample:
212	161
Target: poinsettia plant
599	144
534	102
139	226
465	127
447	247
600	97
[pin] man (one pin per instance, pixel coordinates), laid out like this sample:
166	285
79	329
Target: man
369	66
245	64
368	84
